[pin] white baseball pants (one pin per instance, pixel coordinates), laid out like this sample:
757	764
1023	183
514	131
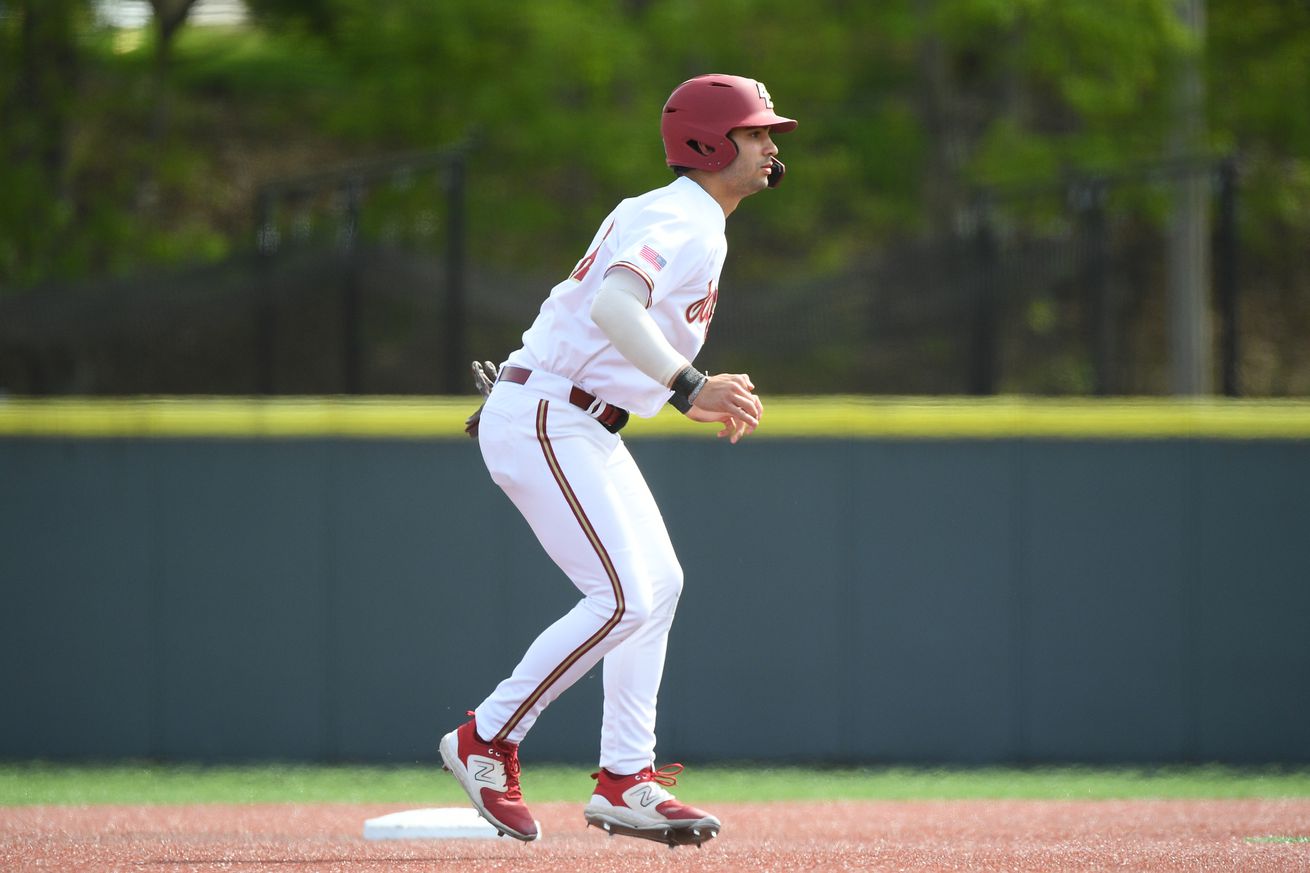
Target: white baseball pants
582	494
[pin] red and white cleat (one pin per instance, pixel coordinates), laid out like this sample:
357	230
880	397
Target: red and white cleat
489	775
639	806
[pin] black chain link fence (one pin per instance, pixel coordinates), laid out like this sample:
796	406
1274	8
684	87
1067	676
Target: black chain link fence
358	284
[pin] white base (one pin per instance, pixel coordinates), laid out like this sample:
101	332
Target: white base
460	823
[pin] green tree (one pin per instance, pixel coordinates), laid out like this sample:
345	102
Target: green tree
1259	84
40	71
169	17
904	106
315	16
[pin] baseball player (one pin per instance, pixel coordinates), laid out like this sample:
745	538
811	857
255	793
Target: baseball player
617	337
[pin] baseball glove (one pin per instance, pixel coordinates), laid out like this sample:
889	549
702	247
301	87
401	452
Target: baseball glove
484	379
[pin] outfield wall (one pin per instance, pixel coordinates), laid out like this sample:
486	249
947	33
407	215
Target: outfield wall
873	581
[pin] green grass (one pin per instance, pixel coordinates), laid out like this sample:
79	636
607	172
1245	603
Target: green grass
143	783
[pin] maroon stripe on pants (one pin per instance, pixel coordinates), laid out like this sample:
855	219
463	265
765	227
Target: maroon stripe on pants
593	538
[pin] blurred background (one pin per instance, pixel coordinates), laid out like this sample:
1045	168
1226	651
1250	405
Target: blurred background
1058	199
340	196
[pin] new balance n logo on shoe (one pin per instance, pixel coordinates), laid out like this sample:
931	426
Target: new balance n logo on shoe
488	772
646	796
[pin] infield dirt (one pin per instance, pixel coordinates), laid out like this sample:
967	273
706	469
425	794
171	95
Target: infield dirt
1012	835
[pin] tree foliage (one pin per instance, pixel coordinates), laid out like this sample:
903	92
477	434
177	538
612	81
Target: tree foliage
904	107
39	80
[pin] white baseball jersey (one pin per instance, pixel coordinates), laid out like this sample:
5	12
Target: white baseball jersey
673	239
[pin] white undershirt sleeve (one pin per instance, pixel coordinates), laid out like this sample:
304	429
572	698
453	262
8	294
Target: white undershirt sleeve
619	310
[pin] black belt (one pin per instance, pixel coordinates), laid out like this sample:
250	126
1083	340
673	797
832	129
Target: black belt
611	417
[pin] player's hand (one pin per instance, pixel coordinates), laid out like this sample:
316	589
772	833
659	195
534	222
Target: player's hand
729	398
733	428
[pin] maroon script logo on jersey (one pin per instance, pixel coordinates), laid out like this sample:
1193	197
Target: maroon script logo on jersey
703	309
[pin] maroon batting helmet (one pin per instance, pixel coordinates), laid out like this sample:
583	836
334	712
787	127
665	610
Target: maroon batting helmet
701	111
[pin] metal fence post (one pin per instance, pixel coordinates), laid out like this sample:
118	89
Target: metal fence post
981	377
266	244
351	311
1226	250
1101	328
456	358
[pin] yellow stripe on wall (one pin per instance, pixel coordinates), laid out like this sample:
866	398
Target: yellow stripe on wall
237	417
784	417
1010	417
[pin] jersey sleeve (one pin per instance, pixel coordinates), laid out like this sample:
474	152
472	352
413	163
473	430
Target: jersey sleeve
662	253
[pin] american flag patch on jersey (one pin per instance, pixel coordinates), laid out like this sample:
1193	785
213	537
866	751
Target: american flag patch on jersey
652	257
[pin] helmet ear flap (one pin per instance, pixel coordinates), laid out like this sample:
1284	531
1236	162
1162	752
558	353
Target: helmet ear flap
716	151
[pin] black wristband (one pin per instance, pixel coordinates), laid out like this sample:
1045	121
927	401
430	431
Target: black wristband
688	384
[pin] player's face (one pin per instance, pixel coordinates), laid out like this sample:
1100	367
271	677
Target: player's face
749	171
